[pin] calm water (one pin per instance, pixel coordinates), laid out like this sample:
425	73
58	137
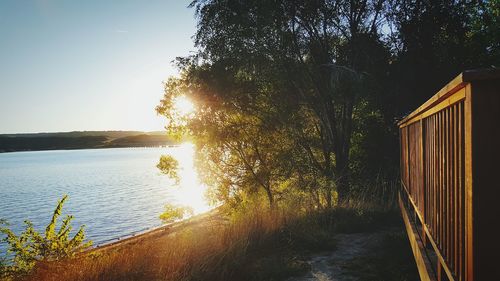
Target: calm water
114	192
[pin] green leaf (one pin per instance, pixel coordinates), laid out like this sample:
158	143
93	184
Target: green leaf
30	246
169	166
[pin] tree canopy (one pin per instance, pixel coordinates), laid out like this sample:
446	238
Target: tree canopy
296	100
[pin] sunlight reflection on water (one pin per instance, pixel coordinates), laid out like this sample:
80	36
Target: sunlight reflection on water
190	191
114	192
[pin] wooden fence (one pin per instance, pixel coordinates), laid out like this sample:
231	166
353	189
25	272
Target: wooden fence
450	163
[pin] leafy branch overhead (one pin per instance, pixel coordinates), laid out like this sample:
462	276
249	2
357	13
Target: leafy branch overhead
296	100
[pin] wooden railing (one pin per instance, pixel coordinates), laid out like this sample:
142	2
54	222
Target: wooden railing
439	142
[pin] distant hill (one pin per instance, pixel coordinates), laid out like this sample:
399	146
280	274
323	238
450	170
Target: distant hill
8	144
141	140
73	134
82	140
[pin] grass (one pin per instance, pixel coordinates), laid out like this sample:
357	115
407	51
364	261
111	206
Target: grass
255	246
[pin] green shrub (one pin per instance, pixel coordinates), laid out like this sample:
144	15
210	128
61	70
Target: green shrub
169	166
173	213
31	246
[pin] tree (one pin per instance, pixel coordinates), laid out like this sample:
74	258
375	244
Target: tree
238	142
317	85
315	51
435	41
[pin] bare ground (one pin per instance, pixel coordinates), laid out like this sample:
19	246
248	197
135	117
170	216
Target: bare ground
352	258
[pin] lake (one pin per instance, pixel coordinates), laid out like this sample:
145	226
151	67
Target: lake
114	192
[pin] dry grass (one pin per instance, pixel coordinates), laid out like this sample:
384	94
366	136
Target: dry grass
256	246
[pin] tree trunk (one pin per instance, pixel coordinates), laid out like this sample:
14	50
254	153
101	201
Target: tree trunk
328	197
270	197
342	178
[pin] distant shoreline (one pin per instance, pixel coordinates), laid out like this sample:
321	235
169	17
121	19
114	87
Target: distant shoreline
88	148
83	140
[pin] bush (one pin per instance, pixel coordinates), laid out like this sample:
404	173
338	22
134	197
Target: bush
173	213
31	246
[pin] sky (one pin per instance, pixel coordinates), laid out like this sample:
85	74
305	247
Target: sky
88	65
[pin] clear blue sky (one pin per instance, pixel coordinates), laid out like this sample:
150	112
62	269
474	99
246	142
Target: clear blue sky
88	65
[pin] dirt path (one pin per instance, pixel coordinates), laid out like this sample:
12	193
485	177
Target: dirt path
333	266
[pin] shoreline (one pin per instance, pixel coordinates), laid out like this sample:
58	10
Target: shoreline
90	148
152	233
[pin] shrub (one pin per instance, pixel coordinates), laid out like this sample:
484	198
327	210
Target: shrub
173	212
169	166
31	246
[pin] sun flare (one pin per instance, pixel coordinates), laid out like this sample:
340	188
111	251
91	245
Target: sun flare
183	106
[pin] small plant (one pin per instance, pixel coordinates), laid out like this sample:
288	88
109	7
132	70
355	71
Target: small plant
174	212
31	246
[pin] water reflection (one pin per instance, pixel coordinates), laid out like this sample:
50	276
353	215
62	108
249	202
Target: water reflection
190	191
114	192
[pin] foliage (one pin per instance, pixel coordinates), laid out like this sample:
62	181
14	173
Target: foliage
485	33
276	85
435	41
297	99
173	213
251	244
296	103
31	247
169	166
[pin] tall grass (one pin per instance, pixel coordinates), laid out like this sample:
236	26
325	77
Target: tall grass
380	195
251	244
257	245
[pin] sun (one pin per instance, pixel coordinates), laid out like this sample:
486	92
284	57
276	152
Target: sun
183	106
